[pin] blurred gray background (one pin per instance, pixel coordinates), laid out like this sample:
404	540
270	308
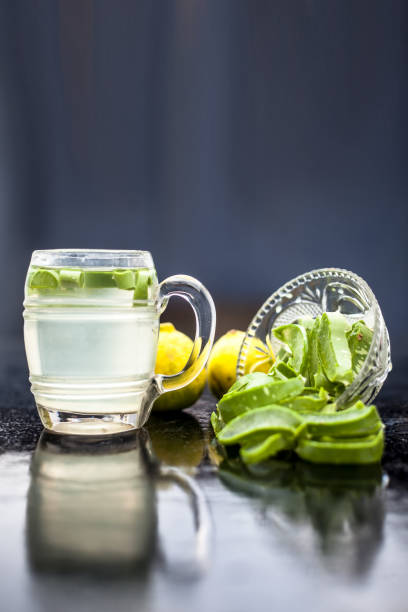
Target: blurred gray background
241	141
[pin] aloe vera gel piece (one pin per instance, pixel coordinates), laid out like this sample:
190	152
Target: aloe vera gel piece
316	375
68	280
43	279
293	407
142	284
271	419
249	381
363	450
312	402
270	446
357	421
333	348
294	337
359	339
71	278
238	402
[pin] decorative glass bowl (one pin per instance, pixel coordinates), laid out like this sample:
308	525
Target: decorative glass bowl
325	290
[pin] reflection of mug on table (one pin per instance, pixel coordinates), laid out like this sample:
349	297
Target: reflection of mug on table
92	504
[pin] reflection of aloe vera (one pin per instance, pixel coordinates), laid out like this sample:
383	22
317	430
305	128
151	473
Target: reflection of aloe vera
342	505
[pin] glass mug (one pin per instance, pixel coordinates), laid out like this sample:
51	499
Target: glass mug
91	326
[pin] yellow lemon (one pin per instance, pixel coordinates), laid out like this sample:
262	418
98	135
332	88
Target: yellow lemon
173	351
222	364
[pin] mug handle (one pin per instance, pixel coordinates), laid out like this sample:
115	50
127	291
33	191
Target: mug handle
202	303
202	524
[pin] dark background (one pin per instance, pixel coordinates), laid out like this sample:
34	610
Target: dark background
241	141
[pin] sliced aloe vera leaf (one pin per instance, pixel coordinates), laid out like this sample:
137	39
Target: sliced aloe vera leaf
248	381
368	449
99	279
311	390
310	402
124	279
306	322
283	355
143	280
334	352
282	371
43	279
71	278
359	340
353	422
254	453
295	338
316	376
273	419
216	422
236	403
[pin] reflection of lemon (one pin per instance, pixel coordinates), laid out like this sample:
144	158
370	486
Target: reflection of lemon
222	364
173	351
177	441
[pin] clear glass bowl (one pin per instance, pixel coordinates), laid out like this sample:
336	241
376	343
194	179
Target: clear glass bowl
326	290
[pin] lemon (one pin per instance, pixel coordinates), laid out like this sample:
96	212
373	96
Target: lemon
173	351
222	364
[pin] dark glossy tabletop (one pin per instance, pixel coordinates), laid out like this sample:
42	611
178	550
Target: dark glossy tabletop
158	521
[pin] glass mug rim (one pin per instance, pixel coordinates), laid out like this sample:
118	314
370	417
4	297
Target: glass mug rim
92	258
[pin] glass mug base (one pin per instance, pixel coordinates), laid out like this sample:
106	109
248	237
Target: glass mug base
72	423
93	408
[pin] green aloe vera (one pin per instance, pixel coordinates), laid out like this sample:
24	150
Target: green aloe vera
236	403
309	403
269	447
142	283
281	371
334	351
61	281
293	407
316	375
249	381
359	340
43	279
71	278
359	420
269	419
339	451
295	338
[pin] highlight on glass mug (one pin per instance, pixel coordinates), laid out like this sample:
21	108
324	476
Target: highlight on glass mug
91	325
